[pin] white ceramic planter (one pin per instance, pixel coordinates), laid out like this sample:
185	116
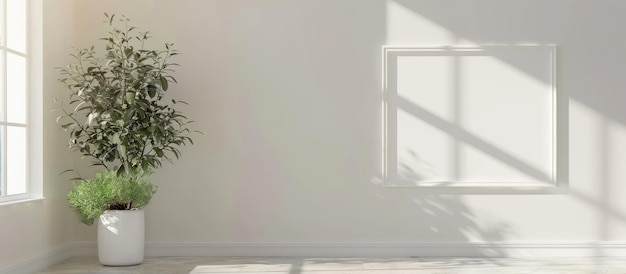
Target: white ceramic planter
121	237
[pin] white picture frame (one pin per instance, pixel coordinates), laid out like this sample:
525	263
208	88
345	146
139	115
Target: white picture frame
479	119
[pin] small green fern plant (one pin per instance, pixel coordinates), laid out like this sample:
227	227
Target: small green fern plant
109	190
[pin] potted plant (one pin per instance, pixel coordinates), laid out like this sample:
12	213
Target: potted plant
118	116
120	231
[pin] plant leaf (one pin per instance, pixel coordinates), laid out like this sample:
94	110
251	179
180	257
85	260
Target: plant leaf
163	83
130	97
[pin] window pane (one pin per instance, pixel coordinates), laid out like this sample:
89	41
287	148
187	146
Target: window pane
2	118
16	25
16	160
2	38
16	89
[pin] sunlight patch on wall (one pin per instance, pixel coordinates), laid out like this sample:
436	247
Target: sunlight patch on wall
403	25
616	144
585	160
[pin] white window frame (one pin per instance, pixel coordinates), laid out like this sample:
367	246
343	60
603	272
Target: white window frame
557	185
34	105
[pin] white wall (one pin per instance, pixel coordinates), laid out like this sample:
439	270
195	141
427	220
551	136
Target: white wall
288	96
42	229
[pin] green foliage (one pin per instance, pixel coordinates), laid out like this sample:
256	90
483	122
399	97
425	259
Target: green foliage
118	115
110	191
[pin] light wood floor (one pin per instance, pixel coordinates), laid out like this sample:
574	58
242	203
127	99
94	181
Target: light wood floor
289	265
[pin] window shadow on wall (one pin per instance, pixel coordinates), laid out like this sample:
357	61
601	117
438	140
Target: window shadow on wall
590	70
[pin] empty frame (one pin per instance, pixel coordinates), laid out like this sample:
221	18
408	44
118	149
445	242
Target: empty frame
472	117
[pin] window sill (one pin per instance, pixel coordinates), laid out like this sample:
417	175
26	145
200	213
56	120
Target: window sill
19	201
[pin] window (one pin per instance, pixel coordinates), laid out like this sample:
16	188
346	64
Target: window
20	108
474	119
